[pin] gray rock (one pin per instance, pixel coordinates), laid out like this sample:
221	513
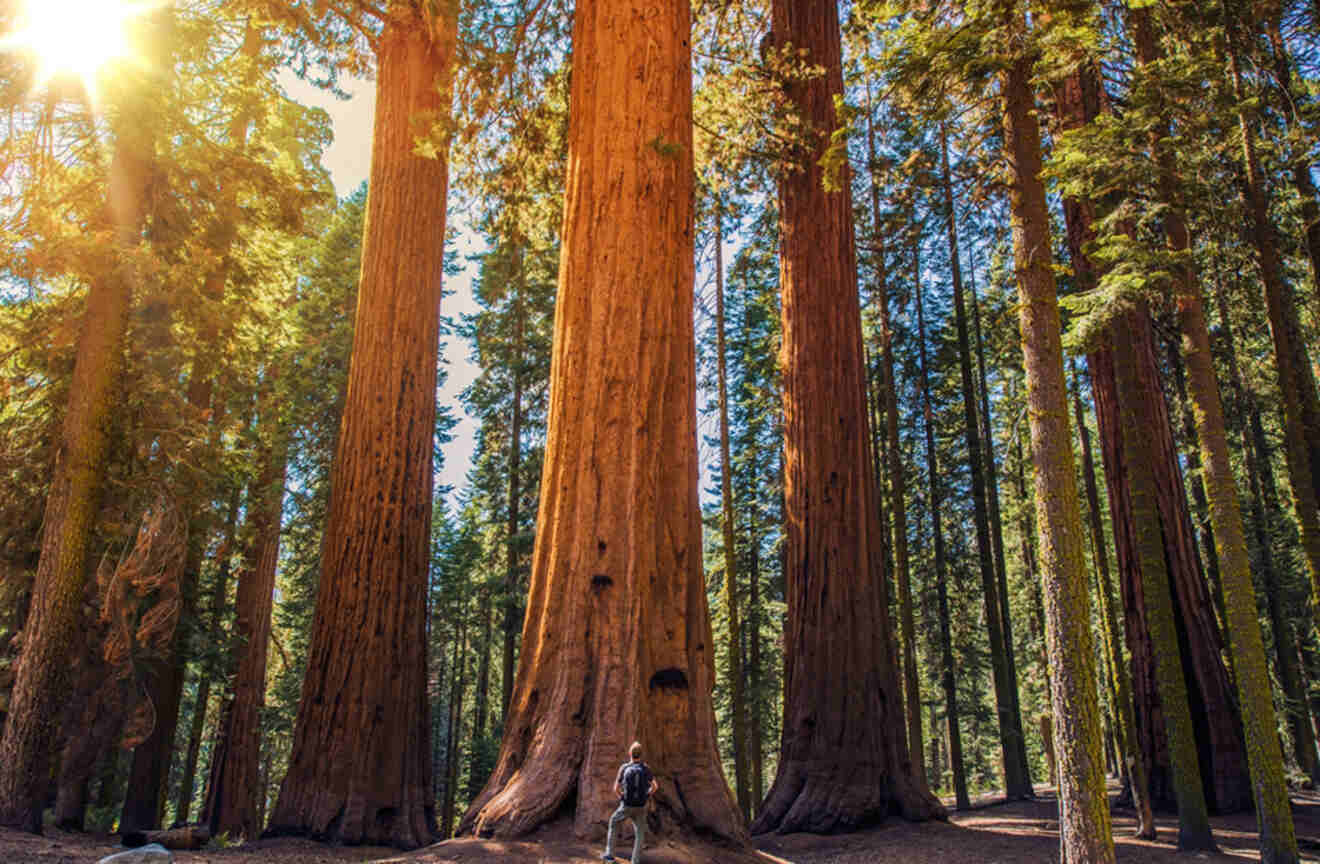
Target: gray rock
151	854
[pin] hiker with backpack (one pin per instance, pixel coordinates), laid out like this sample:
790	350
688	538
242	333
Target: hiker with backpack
634	785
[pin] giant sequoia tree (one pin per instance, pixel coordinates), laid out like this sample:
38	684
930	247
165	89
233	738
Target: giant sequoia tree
360	771
844	756
617	642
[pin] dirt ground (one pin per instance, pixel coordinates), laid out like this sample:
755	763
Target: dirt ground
990	833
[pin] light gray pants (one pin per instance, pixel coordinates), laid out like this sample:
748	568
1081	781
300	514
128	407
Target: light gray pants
638	817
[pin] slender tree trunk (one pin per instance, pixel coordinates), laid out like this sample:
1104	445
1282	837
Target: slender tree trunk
1120	681
207	671
358	771
996	519
1291	100
1297	388
897	489
947	676
617	643
231	799
513	612
30	738
1084	823
481	701
1017	777
1264	499
737	697
456	689
754	685
844	762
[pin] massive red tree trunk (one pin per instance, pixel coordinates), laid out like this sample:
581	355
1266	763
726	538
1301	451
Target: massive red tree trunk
844	761
617	642
360	769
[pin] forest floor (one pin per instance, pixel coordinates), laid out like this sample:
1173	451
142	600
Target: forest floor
992	832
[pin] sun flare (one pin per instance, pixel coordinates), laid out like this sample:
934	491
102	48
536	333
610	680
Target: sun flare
79	38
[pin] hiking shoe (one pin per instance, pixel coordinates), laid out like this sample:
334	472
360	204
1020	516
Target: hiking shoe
608	857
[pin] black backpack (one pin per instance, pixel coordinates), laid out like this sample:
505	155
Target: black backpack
635	789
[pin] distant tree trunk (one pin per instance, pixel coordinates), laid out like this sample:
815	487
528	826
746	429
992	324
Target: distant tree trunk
31	733
513	612
1030	571
231	799
1289	96
737	697
617	643
1297	387
996	518
897	489
358	771
757	754
207	671
947	676
1264	497
1017	776
1120	681
456	689
1084	823
481	700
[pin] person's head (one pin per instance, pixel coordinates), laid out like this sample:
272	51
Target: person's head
635	751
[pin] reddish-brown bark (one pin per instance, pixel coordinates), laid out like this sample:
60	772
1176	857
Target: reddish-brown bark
844	761
359	771
617	643
1219	740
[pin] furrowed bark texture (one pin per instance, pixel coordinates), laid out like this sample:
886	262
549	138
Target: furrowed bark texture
617	643
844	762
1214	711
31	732
359	771
1084	824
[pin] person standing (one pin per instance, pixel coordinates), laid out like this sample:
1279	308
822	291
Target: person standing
634	785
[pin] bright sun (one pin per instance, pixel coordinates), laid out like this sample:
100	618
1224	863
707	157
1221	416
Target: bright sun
74	37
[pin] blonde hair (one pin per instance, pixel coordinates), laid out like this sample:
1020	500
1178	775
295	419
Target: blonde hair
635	751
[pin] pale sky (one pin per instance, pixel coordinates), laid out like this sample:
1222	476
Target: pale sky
348	160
